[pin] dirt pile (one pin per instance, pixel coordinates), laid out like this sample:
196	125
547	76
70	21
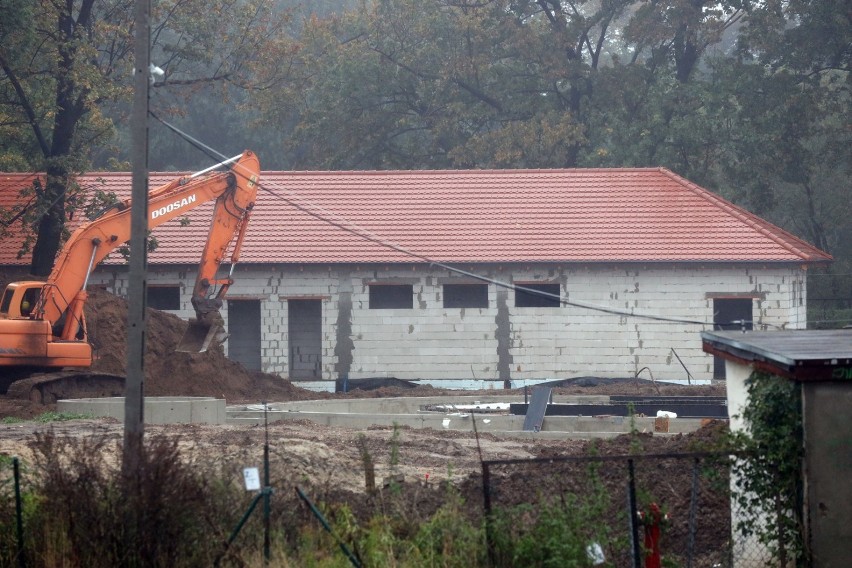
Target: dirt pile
171	373
167	372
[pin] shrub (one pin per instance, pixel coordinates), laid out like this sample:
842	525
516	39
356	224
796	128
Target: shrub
89	514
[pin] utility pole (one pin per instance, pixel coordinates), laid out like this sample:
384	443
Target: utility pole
134	422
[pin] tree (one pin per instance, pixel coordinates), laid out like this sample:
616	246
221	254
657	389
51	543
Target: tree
437	84
794	64
50	85
63	63
492	84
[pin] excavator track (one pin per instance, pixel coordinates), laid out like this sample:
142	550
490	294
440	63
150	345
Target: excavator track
47	388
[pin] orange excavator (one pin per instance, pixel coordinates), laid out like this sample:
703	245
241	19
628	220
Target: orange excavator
42	326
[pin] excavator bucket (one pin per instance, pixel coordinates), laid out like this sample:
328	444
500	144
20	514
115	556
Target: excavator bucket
199	336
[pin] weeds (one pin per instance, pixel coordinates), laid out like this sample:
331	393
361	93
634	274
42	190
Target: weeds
77	505
48	417
449	538
80	506
61	417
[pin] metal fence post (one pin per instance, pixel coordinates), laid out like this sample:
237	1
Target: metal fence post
690	543
634	522
19	512
486	500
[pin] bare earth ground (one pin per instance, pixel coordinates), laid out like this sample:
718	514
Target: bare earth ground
329	459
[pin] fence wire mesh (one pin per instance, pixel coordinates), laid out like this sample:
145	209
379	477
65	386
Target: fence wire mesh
610	501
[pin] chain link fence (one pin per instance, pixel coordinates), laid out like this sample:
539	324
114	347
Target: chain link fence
612	501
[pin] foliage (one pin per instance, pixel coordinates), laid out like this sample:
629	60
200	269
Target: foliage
769	482
47	417
560	532
449	538
557	535
67	76
76	506
436	84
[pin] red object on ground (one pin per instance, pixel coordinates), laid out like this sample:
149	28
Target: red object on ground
653	526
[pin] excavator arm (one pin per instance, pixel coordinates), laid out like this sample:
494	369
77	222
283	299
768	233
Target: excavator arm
229	224
60	301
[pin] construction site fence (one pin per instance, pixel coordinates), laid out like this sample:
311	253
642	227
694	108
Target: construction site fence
639	510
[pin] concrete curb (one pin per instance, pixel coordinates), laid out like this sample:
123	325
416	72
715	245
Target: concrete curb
158	410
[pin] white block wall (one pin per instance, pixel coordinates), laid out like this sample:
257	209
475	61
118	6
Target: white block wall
433	342
427	342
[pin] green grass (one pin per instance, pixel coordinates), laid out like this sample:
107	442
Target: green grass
47	417
53	416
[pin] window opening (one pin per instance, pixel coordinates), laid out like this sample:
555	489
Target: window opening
730	314
524	299
465	295
164	297
391	296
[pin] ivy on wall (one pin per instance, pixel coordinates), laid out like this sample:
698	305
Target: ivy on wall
769	481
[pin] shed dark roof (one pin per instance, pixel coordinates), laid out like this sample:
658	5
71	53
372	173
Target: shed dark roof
576	215
799	354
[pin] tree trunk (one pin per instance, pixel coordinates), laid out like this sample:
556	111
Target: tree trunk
69	111
818	236
52	222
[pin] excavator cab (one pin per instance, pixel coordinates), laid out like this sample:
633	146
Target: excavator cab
19	299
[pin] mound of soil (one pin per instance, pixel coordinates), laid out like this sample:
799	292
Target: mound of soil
172	373
167	372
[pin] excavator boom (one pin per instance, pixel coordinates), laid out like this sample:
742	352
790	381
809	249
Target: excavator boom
42	324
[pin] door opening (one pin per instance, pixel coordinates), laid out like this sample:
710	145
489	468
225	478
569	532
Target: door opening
730	314
244	333
304	326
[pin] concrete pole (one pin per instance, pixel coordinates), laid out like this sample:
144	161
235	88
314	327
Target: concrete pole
134	392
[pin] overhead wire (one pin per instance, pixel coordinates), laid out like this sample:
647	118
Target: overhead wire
335	220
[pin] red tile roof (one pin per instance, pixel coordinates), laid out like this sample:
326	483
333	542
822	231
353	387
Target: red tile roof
472	216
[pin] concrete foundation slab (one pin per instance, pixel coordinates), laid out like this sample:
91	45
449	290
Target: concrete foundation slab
158	410
412	412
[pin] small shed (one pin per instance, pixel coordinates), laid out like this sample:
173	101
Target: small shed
820	361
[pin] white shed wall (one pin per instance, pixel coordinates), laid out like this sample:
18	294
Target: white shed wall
432	342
